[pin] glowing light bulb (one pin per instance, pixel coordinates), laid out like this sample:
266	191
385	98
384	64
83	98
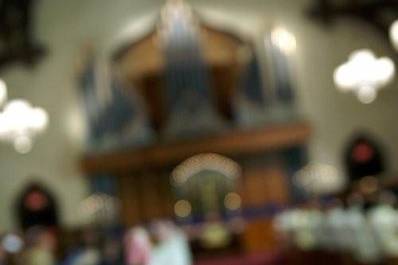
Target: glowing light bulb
367	94
3	92
23	144
182	209
394	34
232	201
364	74
12	243
320	179
39	119
284	40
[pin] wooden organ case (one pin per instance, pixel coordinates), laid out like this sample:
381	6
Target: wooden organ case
266	153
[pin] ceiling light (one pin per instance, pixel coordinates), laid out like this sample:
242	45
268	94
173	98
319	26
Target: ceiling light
364	74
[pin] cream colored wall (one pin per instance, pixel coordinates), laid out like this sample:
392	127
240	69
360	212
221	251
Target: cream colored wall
65	25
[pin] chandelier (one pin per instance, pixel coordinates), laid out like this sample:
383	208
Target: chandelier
364	74
20	122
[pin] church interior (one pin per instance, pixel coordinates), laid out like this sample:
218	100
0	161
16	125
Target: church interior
198	132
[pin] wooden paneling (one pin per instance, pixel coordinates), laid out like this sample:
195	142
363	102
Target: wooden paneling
259	236
128	195
154	197
262	186
145	196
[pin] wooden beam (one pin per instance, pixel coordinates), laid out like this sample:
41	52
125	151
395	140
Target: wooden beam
230	144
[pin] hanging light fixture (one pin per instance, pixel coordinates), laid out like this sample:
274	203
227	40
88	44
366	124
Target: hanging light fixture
364	74
20	122
320	179
394	34
3	92
284	40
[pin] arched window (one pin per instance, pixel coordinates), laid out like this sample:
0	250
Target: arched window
36	207
363	157
205	185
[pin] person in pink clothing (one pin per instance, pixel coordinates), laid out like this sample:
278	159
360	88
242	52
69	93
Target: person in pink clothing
138	247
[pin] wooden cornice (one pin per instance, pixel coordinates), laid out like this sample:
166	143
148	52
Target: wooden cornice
232	143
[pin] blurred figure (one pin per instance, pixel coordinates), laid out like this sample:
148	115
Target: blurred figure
88	253
138	247
172	245
40	247
336	226
366	248
3	254
300	226
384	220
112	252
11	246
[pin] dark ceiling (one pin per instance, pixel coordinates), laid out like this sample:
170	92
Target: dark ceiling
17	39
379	14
